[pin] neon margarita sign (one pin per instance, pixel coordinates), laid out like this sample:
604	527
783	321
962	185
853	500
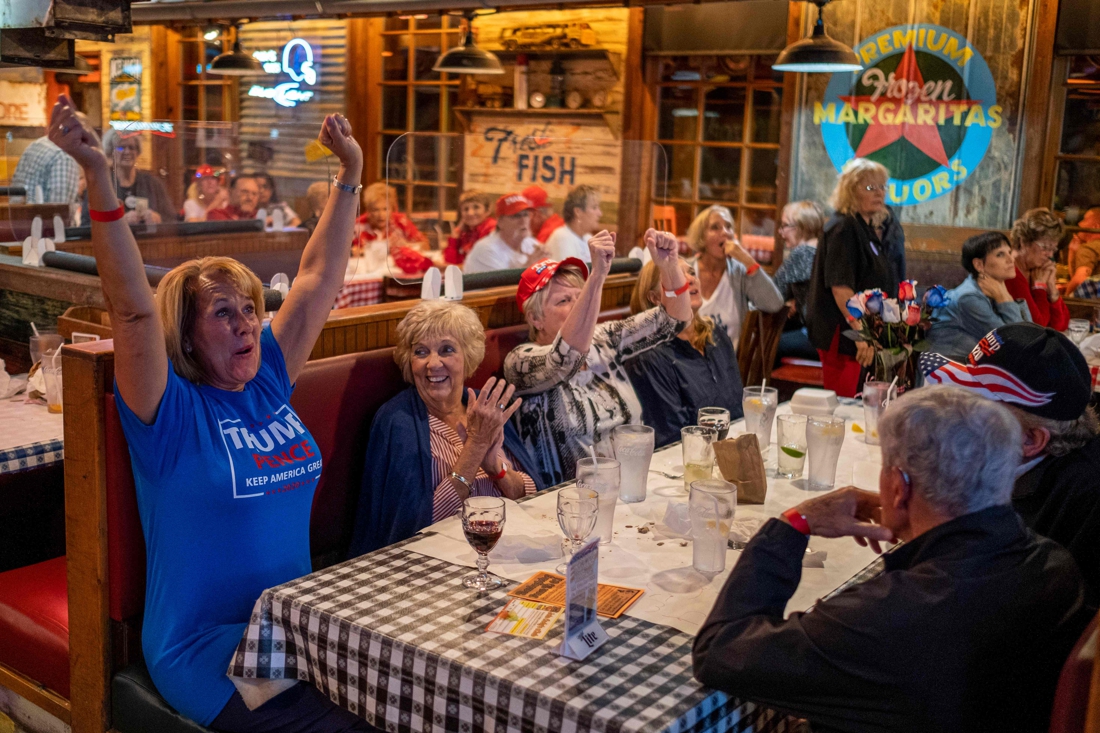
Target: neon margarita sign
297	63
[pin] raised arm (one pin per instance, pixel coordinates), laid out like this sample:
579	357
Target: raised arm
321	274
581	324
141	361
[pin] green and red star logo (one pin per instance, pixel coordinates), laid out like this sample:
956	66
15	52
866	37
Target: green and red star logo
924	106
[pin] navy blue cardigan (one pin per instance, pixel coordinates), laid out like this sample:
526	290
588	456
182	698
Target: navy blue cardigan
397	495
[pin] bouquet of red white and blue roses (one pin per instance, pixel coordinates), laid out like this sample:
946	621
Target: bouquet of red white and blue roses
896	327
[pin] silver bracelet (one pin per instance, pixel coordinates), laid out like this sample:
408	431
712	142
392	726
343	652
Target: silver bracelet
345	187
463	480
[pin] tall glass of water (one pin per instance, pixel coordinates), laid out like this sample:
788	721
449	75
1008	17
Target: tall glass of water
577	512
697	444
874	402
633	451
824	436
715	417
759	404
791	438
602	476
711	505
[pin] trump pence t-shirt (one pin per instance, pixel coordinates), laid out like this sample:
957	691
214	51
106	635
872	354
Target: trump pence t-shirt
225	482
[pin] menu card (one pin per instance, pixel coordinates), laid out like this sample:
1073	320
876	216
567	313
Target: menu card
544	587
522	617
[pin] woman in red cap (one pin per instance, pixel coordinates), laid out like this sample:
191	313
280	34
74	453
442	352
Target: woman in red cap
204	193
575	389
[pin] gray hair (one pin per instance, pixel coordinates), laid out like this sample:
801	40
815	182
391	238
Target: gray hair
1066	436
959	450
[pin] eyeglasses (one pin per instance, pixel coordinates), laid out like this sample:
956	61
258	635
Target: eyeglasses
1048	247
785	225
877	187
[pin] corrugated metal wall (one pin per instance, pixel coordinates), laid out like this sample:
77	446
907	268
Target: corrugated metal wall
273	137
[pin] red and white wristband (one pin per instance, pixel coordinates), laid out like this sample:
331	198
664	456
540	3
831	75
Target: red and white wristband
678	291
797	520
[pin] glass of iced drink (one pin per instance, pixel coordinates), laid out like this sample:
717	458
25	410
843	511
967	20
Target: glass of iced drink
874	402
759	404
633	451
712	504
791	438
715	417
602	476
824	436
697	444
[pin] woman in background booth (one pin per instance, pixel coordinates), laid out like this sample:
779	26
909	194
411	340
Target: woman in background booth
474	224
696	369
1084	258
1035	238
205	193
729	278
381	219
143	194
269	201
317	198
800	227
576	390
203	389
581	213
982	302
437	442
863	249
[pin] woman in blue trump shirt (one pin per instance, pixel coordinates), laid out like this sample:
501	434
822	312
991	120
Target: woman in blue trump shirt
224	469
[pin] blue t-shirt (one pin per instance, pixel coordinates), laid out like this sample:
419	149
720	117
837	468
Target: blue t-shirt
225	483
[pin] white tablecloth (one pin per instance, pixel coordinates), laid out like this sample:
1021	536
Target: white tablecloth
676	595
30	436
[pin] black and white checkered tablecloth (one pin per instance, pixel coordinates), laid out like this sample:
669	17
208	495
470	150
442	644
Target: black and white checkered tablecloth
394	637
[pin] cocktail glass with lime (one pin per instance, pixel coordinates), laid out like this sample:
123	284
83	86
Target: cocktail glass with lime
791	437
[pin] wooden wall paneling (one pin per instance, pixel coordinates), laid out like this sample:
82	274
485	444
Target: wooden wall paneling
786	135
89	374
1038	105
363	93
1048	166
636	167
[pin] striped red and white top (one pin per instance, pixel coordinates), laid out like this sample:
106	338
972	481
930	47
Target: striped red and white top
446	448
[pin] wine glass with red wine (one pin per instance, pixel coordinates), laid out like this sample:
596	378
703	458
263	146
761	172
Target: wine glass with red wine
483	524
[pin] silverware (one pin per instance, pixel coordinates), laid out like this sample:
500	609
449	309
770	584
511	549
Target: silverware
667	475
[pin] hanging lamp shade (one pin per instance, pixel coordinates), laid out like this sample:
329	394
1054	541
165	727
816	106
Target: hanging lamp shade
818	54
235	62
467	58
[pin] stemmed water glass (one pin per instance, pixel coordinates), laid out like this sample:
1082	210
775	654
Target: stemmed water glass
577	512
483	524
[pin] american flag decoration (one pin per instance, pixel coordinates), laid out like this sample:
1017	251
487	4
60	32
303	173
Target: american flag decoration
986	380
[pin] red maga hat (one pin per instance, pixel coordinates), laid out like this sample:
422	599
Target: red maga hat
511	204
537	196
538	276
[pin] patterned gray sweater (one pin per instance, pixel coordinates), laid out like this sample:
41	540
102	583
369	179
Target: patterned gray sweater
567	408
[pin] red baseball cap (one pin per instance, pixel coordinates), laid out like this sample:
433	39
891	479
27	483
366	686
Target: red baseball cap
511	204
537	196
206	171
538	276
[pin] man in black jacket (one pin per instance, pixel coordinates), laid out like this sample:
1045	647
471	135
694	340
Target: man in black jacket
1045	382
965	630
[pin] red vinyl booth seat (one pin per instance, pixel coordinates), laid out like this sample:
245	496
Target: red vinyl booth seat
34	623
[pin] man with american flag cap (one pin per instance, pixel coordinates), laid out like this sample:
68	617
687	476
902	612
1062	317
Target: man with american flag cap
1044	380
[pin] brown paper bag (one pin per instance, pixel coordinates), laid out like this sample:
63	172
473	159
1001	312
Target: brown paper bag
741	464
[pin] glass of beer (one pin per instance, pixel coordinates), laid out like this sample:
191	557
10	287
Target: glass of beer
697	444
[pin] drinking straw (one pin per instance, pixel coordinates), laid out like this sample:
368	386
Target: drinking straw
592	451
34	328
890	390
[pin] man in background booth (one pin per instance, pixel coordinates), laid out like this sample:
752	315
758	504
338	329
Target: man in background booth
544	220
511	245
244	200
49	174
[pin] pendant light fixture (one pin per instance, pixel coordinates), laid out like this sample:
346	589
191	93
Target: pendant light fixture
818	54
467	58
235	62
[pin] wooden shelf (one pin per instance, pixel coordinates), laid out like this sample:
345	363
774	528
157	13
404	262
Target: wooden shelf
562	111
607	114
613	58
